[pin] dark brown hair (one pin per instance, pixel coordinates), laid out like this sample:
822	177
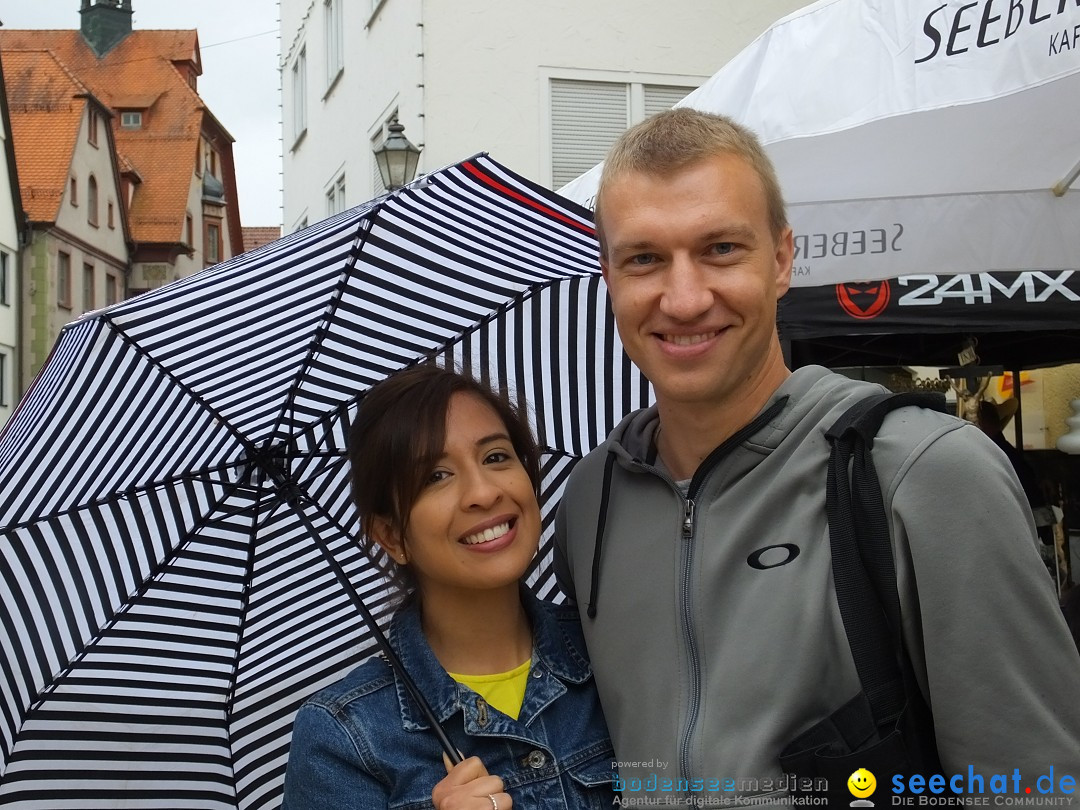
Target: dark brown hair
398	434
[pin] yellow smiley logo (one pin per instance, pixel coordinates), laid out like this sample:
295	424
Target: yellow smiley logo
861	783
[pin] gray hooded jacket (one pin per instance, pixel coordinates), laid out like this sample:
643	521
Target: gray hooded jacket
717	638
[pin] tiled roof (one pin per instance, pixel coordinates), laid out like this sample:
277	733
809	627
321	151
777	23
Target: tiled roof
257	236
140	70
46	111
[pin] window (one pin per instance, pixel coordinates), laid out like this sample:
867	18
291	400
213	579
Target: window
299	90
73	194
111	214
3	378
88	287
377	186
335	197
112	289
334	41
92	125
63	280
5	279
92	201
213	243
189	231
587	117
132	119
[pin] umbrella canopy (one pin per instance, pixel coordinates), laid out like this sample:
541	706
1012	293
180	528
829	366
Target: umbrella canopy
174	487
914	136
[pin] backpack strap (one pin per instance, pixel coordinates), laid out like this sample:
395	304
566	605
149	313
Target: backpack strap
863	568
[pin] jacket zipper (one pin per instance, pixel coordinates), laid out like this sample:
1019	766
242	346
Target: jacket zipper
710	463
691	645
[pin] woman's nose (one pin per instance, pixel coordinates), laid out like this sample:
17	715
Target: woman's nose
479	489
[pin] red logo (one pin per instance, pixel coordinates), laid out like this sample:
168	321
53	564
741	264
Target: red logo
863	299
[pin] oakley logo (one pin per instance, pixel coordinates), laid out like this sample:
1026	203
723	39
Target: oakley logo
773	556
863	300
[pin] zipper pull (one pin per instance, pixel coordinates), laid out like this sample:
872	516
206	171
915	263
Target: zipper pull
688	520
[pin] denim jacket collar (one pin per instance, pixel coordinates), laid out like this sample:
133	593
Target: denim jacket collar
552	650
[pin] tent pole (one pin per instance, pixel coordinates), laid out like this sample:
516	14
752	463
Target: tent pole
1064	184
1018	419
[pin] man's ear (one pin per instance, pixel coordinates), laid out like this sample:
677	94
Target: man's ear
785	258
603	266
382	532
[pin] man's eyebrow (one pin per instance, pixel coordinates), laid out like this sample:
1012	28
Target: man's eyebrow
729	232
632	247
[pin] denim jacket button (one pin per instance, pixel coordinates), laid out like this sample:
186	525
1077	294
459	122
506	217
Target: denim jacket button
536	759
538	673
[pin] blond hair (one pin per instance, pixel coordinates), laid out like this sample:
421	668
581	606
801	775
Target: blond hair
677	138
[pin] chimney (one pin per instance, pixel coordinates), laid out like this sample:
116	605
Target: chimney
105	23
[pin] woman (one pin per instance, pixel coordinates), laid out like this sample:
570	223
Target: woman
444	473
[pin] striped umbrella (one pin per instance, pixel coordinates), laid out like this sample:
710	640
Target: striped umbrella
165	608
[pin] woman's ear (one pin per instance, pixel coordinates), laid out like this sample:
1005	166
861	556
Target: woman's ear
383	533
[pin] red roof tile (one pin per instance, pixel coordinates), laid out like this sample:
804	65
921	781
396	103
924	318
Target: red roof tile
46	110
257	236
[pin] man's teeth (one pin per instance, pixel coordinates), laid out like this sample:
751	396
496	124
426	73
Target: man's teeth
487	534
689	340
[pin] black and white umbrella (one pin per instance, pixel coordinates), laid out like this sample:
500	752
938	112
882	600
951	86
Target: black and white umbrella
165	608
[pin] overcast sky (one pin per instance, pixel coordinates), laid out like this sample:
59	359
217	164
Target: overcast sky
240	80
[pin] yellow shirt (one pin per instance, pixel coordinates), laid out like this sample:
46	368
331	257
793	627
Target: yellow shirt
503	690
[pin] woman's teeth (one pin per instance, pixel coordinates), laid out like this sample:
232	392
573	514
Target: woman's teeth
487	535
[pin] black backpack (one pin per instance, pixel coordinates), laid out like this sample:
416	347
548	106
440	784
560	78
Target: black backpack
887	728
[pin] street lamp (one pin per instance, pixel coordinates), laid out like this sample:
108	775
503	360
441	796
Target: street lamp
397	158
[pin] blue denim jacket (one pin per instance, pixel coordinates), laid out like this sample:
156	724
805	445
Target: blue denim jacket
363	743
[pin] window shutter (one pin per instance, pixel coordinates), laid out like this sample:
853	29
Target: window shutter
659	97
586	119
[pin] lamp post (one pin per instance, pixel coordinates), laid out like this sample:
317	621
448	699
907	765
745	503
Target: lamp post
397	158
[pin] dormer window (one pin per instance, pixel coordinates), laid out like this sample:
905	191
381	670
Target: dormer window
132	119
92	127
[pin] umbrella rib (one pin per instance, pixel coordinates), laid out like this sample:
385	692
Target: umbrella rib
381	641
245	604
82	650
335	300
195	397
199	476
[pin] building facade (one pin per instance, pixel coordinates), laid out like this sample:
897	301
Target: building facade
75	253
11	230
544	88
126	176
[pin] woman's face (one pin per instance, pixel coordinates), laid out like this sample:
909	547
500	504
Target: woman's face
476	523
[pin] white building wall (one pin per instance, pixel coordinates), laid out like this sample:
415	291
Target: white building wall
9	301
475	75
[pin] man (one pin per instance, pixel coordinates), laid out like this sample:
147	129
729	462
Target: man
694	541
991	419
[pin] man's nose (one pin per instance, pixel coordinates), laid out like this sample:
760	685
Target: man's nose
686	293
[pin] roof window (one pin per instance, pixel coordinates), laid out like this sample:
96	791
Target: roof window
131	119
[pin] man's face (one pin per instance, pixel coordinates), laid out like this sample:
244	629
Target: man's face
694	272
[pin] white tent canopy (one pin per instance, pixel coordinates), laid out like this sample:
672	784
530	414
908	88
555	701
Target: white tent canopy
914	136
